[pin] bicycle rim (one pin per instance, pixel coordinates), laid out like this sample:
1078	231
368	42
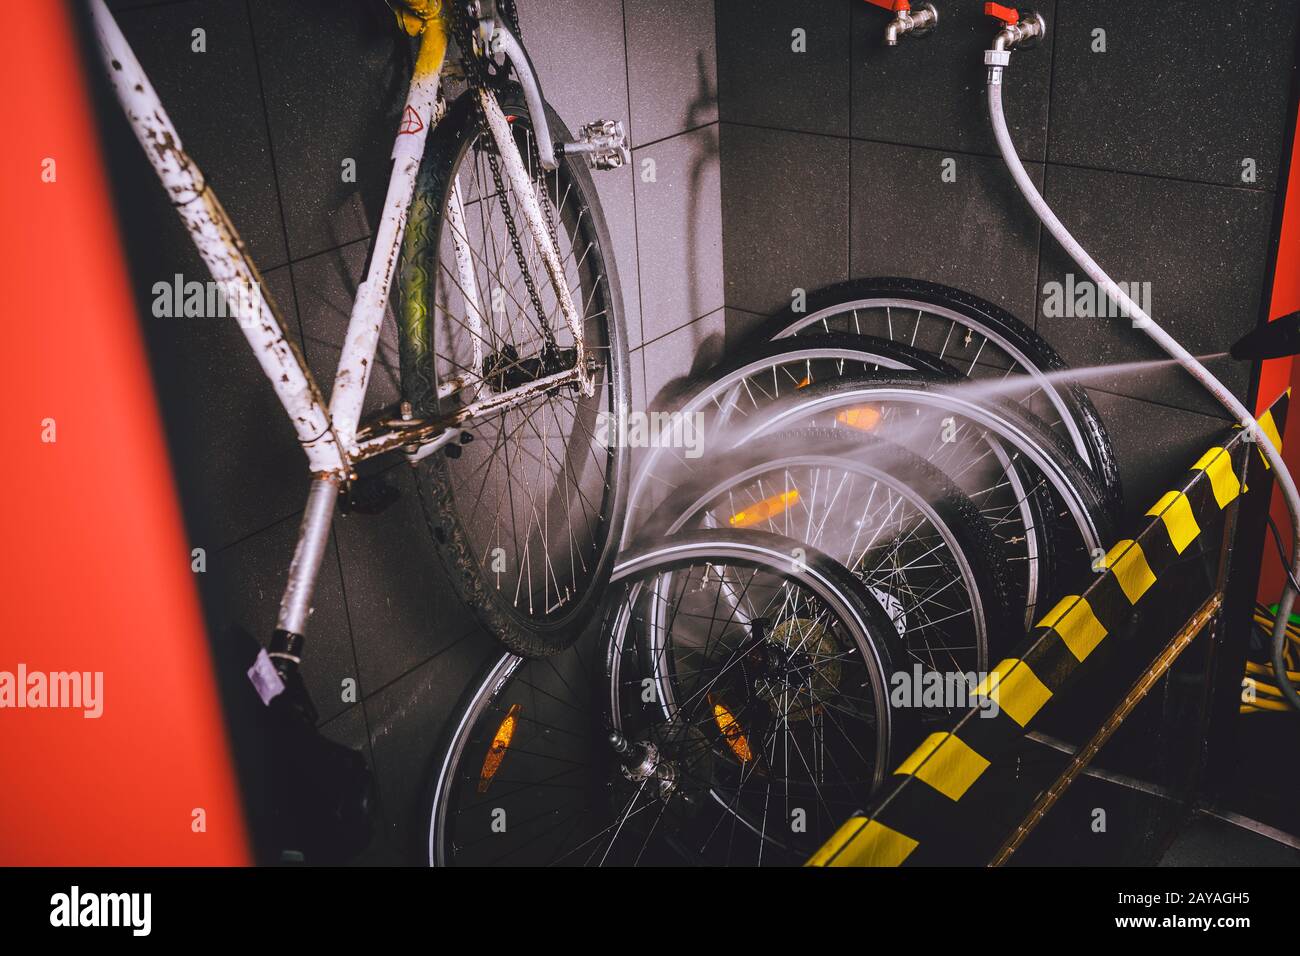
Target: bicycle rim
593	823
774	371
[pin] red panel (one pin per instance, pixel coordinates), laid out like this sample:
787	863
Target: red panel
95	570
1277	374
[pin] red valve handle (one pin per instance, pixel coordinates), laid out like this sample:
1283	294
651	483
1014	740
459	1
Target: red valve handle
894	6
1005	14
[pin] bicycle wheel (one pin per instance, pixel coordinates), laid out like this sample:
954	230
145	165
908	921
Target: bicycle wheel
760	374
933	418
724	401
578	776
910	535
984	341
528	516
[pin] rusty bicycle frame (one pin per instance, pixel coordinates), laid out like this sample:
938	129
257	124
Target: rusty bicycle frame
332	436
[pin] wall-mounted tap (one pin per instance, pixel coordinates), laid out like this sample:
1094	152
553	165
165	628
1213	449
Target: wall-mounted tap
1020	28
907	22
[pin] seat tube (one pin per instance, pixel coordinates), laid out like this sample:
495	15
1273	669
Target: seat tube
362	339
295	605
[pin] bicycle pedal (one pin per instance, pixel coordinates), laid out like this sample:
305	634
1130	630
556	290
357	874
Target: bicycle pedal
603	143
452	449
370	495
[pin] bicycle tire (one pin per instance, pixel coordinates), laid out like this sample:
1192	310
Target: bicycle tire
1069	477
968	537
719	392
484	704
522	630
1088	437
701	391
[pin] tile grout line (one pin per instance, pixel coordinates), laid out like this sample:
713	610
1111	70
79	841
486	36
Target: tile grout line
1163	177
1151	401
848	194
699	318
636	234
682	132
275	170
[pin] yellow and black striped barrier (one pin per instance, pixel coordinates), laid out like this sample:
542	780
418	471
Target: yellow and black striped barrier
917	817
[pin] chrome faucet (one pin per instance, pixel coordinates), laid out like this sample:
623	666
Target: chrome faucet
907	22
1020	28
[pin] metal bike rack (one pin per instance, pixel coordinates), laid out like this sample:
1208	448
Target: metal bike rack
1116	663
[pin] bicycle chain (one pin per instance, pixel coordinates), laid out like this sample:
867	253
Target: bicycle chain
511	14
477	79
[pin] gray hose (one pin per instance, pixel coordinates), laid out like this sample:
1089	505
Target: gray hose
1176	352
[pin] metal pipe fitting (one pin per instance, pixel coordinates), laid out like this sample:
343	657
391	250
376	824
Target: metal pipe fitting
914	23
1025	32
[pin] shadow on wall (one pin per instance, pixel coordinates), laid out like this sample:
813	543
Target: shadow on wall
706	349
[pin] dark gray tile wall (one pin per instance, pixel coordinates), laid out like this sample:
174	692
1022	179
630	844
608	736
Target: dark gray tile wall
831	163
286	91
785	214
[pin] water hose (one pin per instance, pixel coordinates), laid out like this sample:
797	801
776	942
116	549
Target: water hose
997	60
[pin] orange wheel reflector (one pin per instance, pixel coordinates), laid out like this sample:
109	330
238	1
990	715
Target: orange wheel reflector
807	380
761	511
732	732
497	752
863	417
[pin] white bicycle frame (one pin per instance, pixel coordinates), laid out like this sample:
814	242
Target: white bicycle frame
332	436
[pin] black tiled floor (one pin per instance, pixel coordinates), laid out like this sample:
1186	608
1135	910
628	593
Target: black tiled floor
408	723
1258	738
740	328
214	102
401	605
326	285
247	468
763	81
349	729
251	575
1202	248
975	234
335	77
1210	842
637	362
679	230
785	221
1182	90
930	91
672	66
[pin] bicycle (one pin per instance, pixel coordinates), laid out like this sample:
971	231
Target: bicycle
511	332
